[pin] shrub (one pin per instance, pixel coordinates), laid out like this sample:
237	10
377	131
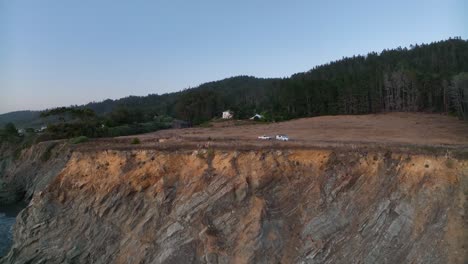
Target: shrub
135	141
79	140
210	153
48	152
449	163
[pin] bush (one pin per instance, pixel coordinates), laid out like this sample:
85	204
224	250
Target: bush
79	140
72	130
48	152
450	163
135	141
210	153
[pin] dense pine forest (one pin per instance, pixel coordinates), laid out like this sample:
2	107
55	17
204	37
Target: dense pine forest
425	77
430	77
420	78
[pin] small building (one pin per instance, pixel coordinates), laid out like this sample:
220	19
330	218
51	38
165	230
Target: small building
256	117
228	114
21	131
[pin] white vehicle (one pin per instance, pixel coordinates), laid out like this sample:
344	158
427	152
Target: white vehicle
282	137
264	137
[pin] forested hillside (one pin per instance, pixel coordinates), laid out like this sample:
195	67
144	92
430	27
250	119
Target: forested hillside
421	78
20	118
427	77
418	78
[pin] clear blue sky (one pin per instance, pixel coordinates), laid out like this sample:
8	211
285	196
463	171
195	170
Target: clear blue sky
58	52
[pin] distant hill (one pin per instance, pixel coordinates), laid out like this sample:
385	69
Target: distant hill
20	118
418	78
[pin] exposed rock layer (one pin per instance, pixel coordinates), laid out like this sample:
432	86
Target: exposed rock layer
213	206
32	169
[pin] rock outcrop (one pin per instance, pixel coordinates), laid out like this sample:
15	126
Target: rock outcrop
262	206
31	170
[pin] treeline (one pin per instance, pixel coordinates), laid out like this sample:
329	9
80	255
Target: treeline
414	79
9	133
420	78
428	77
77	122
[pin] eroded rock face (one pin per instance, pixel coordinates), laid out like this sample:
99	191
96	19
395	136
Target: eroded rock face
210	206
31	171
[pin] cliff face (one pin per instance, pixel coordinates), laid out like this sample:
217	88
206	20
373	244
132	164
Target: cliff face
264	206
31	170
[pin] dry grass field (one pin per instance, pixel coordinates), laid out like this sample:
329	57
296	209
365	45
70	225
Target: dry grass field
388	128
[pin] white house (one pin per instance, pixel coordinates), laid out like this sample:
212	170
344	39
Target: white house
256	117
228	114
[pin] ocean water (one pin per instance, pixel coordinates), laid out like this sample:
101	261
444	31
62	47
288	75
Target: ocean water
7	219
